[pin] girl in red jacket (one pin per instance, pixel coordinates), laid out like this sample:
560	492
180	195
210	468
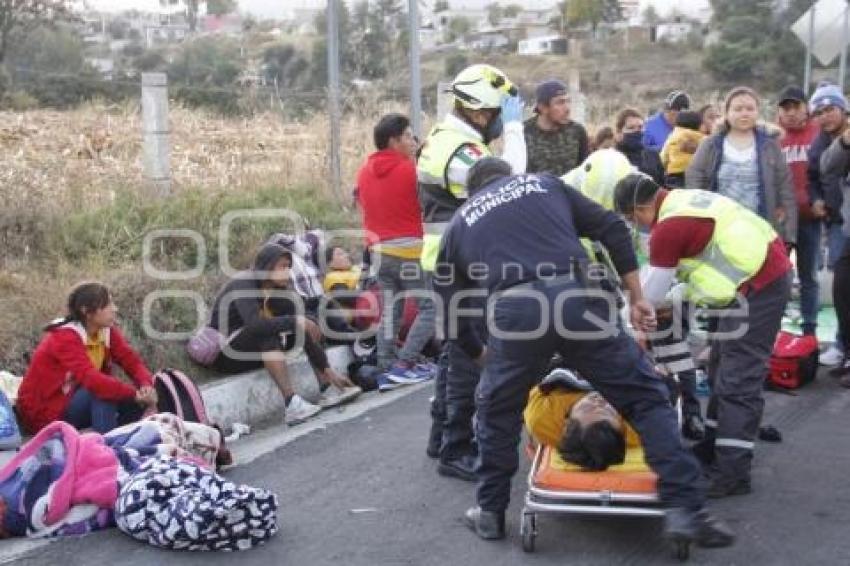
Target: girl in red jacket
70	376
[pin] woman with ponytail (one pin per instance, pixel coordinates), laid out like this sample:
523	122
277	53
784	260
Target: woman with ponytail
70	375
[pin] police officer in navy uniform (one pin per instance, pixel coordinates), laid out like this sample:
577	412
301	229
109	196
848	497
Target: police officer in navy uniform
517	239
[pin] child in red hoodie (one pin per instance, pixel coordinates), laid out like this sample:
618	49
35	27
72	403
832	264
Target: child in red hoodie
70	375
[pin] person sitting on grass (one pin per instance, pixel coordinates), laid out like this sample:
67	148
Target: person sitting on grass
256	312
70	376
581	425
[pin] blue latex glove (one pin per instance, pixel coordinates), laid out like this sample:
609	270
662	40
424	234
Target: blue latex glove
512	107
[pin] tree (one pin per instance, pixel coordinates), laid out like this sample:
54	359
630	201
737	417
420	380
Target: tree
220	7
283	66
26	15
48	64
512	10
458	27
592	12
650	16
204	72
741	55
494	14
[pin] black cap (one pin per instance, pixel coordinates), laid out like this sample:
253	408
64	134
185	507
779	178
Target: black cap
548	90
791	93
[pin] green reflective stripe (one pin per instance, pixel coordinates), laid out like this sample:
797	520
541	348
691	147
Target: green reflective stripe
458	191
435	228
735	253
430	251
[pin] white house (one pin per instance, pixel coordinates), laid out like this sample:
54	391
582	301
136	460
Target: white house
673	32
543	45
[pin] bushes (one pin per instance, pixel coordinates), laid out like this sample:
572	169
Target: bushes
115	234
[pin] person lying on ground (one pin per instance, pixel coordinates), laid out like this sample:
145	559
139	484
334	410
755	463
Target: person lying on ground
70	376
258	314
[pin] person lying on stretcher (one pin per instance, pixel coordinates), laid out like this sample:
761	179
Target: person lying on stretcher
581	425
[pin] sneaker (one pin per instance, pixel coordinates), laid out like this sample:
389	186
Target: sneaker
831	357
300	410
333	396
427	370
385	384
404	374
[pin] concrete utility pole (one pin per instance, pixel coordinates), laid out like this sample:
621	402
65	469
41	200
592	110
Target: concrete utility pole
809	45
334	107
155	131
415	71
842	61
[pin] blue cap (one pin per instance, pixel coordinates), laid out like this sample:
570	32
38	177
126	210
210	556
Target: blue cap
827	95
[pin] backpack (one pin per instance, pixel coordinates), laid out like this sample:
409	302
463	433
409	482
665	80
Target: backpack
10	433
179	395
794	361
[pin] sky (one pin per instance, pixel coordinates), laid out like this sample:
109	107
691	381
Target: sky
276	8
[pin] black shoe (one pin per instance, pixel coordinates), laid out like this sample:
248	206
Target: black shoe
486	524
704	451
435	439
720	488
462	468
693	427
701	527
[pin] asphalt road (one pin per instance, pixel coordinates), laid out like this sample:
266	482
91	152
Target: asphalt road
362	492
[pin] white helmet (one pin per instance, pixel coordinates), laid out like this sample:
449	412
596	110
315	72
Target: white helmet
482	86
598	176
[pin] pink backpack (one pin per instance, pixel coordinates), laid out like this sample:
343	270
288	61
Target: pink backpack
179	395
205	345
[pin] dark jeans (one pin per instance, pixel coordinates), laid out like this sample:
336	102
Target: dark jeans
606	356
737	369
841	294
461	380
85	410
808	252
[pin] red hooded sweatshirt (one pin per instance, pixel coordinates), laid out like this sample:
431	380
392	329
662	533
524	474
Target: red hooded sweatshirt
795	145
386	193
60	365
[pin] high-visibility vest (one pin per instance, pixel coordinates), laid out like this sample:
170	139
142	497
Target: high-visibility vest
735	253
438	197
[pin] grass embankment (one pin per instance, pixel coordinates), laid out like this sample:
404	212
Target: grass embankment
106	243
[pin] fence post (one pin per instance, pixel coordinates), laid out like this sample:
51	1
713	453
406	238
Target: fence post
334	109
415	73
155	132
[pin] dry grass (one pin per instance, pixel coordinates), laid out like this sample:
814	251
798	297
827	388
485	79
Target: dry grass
78	158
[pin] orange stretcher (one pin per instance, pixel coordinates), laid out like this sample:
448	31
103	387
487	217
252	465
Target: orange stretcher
556	486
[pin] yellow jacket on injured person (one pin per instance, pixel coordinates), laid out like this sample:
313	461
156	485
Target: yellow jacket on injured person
546	416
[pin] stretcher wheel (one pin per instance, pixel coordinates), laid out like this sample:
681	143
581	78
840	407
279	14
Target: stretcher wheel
528	530
682	550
